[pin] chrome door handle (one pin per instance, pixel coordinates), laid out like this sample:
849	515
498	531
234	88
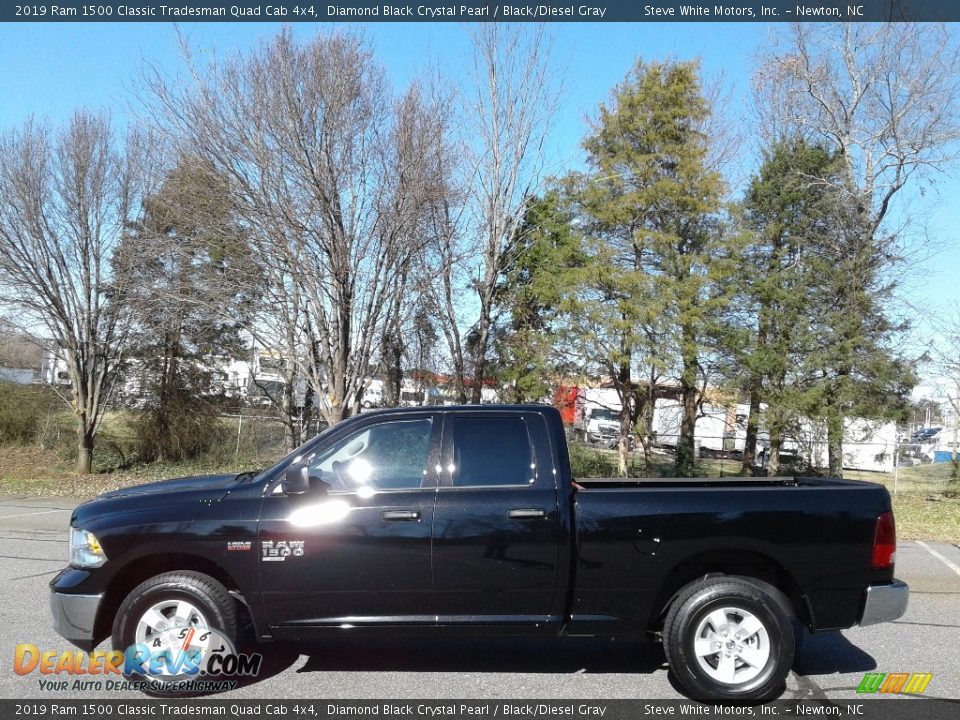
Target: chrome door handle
526	514
400	515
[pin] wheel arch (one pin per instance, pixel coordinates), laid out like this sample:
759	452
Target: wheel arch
144	568
751	566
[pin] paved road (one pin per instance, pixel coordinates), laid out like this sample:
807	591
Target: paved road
927	639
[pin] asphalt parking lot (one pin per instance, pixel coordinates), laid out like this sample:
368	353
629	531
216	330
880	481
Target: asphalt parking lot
828	666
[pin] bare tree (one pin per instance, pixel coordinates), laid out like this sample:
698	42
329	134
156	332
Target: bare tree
885	97
944	354
330	173
440	275
512	109
65	198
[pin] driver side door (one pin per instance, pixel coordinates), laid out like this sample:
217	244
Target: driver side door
355	549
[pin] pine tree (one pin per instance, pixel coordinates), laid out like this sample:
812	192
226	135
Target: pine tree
651	205
787	211
820	343
186	263
533	290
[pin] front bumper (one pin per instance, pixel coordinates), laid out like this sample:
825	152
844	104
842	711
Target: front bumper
884	603
74	617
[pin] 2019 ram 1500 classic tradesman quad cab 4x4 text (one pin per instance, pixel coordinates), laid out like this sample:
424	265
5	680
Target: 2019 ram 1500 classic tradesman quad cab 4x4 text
466	521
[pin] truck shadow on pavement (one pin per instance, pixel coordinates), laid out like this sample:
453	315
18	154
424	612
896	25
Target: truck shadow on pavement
830	653
822	654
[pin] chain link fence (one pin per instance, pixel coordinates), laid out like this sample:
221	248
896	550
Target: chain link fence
926	468
902	467
263	437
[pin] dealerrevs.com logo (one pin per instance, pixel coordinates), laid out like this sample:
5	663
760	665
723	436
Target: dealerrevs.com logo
183	660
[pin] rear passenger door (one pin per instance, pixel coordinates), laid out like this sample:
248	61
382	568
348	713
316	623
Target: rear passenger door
496	525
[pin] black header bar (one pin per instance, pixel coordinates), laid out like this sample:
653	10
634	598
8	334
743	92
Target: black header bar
480	11
867	708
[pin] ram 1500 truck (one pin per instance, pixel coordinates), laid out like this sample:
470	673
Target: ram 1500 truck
466	521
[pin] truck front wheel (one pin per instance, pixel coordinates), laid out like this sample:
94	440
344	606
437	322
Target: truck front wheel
728	639
174	620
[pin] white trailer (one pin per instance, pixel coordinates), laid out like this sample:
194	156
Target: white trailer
867	444
718	429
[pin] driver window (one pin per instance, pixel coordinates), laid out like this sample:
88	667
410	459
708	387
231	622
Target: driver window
386	456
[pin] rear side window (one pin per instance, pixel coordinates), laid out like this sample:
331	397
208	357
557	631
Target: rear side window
489	451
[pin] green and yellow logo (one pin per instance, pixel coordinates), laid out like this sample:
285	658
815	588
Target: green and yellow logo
895	683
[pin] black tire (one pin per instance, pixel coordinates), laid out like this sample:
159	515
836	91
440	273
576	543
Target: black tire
689	620
206	594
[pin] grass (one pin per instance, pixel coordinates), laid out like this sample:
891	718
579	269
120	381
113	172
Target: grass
927	517
587	461
29	470
48	467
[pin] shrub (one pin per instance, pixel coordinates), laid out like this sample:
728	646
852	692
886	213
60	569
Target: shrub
182	429
24	409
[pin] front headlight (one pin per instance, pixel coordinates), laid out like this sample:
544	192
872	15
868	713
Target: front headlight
85	550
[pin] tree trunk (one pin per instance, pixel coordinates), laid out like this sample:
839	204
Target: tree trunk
451	331
393	358
686	449
686	456
85	447
753	428
480	365
645	414
393	375
835	440
624	386
291	436
623	447
776	440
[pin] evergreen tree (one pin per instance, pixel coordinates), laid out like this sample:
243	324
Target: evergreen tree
816	302
532	291
185	263
787	211
651	205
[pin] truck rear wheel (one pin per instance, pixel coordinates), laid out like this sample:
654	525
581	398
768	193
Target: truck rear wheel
728	639
172	611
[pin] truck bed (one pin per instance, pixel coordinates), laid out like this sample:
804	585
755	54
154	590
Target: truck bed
639	539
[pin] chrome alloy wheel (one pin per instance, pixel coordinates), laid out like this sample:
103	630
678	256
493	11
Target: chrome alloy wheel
732	645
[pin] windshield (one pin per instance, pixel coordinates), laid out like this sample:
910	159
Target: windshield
305	449
604	414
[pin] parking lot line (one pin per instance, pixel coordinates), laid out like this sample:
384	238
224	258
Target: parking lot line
43	512
950	564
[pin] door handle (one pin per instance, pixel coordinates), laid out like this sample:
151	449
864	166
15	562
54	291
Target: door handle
526	514
400	515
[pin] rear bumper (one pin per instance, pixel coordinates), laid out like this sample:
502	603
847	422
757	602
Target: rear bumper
74	617
884	603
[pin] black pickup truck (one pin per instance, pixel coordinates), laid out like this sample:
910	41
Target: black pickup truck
466	521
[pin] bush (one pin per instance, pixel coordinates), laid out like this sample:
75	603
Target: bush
24	411
183	429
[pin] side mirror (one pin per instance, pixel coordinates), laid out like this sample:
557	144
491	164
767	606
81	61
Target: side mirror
296	479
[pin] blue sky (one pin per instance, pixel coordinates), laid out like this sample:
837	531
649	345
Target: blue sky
48	69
